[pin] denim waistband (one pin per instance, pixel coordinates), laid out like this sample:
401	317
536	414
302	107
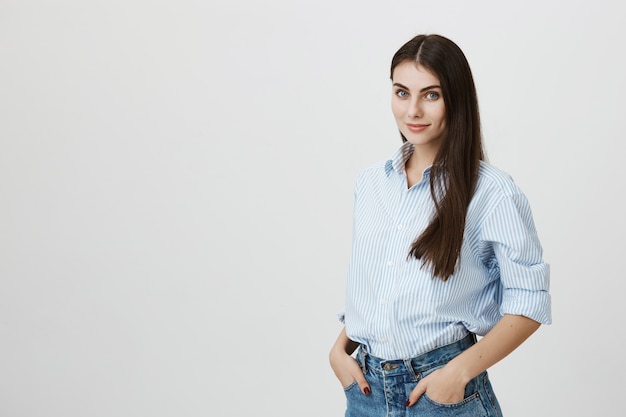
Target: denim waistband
419	364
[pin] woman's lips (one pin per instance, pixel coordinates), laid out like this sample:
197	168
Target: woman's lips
416	128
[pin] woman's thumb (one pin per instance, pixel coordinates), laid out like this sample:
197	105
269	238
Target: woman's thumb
363	385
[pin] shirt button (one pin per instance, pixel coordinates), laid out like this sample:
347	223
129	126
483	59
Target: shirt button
389	263
383	301
399	227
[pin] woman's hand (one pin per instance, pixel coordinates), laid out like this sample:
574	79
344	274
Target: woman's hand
345	367
447	385
440	386
347	370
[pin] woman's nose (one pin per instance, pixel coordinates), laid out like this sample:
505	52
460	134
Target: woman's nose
415	109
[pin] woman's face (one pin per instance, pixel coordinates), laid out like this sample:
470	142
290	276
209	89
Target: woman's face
417	105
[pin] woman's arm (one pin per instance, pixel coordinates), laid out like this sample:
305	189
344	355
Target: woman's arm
345	367
447	385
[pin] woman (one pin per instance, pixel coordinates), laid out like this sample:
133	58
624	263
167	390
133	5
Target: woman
444	248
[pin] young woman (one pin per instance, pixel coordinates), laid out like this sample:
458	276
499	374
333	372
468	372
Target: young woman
444	249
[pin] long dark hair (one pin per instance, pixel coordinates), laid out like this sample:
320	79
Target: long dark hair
454	172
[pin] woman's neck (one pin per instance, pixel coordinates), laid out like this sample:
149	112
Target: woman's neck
416	165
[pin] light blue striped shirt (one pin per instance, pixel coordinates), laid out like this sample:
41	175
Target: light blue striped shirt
395	307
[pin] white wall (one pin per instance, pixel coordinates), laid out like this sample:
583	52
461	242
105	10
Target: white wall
176	192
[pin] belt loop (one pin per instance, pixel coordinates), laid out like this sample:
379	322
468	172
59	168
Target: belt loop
362	355
408	363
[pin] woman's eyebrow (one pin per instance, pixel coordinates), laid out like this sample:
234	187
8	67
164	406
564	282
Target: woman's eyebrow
400	85
430	87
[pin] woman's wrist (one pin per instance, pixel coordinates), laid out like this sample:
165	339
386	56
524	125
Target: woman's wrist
456	371
344	345
340	349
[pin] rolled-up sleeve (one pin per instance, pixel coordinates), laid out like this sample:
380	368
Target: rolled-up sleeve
341	316
518	256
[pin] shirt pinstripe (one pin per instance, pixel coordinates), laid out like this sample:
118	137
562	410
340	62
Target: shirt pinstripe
395	307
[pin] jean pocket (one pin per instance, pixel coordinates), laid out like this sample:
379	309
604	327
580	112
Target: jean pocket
461	403
351	386
470	406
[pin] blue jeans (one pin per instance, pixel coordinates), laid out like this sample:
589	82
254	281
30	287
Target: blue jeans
391	382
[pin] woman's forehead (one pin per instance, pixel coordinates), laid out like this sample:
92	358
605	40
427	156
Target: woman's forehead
414	75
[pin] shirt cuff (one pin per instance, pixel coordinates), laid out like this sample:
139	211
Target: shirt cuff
532	304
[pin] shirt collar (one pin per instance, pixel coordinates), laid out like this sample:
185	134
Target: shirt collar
399	158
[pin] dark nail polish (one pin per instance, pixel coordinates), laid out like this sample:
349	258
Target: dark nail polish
408	402
366	390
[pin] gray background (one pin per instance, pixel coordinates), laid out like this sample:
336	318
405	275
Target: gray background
176	190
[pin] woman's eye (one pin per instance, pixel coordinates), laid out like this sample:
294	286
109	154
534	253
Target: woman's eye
402	94
432	95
